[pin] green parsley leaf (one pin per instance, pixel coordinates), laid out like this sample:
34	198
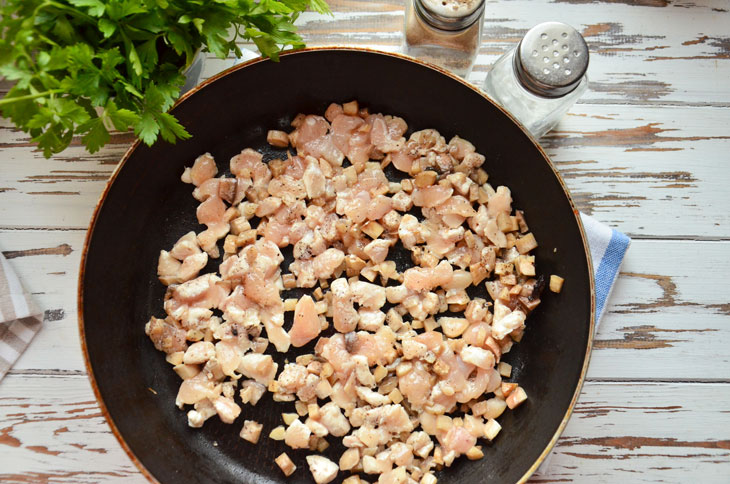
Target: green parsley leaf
85	67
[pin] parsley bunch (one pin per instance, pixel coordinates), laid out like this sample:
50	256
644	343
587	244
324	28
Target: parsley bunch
84	67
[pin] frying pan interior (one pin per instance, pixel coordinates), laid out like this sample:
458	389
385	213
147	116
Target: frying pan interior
147	208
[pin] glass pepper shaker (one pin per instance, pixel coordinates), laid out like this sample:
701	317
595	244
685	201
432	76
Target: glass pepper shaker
444	32
540	79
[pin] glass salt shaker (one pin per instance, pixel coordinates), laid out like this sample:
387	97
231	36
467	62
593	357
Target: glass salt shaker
540	79
444	32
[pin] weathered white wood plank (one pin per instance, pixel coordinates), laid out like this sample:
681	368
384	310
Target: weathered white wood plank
642	52
644	433
663	322
649	171
668	314
51	430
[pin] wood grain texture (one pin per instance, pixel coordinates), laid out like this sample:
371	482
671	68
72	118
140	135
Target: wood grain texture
645	151
648	170
662	322
51	431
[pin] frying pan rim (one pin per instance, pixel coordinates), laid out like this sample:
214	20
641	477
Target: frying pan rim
102	198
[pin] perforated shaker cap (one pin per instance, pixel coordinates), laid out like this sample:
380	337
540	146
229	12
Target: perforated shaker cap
551	59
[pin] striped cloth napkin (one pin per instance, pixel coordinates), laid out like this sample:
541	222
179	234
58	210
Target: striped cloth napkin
20	319
608	248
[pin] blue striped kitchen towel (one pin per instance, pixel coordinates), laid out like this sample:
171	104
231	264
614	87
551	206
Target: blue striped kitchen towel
608	248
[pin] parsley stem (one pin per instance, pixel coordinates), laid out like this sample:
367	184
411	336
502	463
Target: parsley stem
27	97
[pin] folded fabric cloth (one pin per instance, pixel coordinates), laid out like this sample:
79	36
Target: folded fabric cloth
20	318
608	248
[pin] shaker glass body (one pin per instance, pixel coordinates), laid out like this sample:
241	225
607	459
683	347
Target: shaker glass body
454	50
537	113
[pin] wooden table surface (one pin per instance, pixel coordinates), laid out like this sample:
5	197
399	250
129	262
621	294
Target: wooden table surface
646	151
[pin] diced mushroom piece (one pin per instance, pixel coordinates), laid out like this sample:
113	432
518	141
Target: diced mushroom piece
526	243
491	429
556	283
285	464
323	470
297	435
516	397
277	138
251	431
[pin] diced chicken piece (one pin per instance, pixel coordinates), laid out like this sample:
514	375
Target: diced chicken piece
251	431
252	391
203	169
167	268
500	202
432	196
371	319
211	211
194	390
477	357
327	262
191	267
306	325
505	321
377	250
276	138
199	352
419	279
186	246
333	110
374	399
204	409
416	385
285	464
368	295
166	336
331	417
314	181
458	439
293	377
259	367
297	435
399	475
323	470
345	317
516	397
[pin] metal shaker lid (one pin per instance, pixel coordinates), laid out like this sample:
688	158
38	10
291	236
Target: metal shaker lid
551	59
449	15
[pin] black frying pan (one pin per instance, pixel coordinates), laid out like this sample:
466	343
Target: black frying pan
146	208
